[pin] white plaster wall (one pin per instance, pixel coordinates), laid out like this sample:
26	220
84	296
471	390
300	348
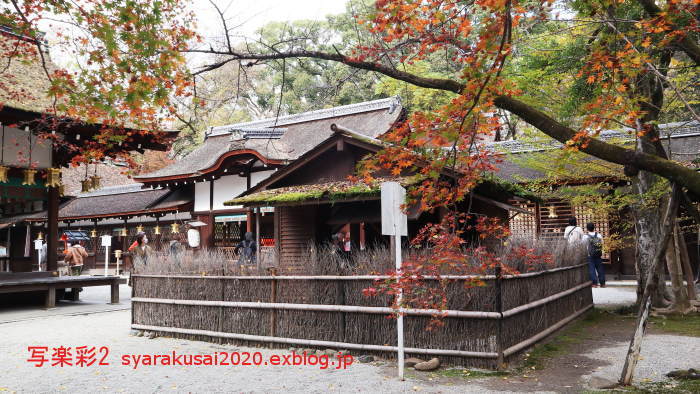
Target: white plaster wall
201	196
257	177
227	188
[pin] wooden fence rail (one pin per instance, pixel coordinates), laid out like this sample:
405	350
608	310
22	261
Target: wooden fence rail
483	326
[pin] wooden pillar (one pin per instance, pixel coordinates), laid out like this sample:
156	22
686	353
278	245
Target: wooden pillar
50	300
257	237
209	239
114	292
126	237
52	231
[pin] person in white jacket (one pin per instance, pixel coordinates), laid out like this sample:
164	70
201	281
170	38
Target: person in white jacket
573	233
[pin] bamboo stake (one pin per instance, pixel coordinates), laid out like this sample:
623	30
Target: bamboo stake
651	284
532	340
313	342
361	277
321	308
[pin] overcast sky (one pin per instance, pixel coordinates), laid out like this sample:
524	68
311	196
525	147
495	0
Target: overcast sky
249	15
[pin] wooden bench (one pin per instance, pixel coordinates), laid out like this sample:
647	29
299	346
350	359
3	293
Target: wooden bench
46	281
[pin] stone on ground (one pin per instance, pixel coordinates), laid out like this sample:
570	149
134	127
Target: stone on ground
430	365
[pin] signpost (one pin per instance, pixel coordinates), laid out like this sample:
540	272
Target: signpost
395	224
38	244
106	242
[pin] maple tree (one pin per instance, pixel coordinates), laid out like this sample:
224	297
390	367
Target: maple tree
630	54
127	64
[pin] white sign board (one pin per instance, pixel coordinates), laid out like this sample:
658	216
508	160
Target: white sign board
106	240
393	218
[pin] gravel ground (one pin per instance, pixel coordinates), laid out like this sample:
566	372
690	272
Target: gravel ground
92	323
614	296
112	329
660	355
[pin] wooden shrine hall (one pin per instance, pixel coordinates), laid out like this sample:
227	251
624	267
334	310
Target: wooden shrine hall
30	175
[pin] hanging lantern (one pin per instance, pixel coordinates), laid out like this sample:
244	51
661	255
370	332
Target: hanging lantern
29	177
95	181
85	185
53	177
174	228
123	232
61	190
3	173
157	230
139	228
40	236
93	233
552	211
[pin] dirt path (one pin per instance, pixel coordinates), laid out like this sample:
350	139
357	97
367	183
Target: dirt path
588	355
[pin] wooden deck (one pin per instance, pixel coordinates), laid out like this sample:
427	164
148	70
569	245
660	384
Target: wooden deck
44	281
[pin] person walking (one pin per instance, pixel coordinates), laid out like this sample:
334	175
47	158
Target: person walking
140	250
247	249
596	270
75	256
573	233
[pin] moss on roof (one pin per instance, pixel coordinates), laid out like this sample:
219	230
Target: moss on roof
494	187
329	191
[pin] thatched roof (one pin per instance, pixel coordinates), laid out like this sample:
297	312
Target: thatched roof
544	159
115	201
110	174
24	80
318	192
301	133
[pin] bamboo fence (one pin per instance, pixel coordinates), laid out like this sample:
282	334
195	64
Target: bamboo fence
483	326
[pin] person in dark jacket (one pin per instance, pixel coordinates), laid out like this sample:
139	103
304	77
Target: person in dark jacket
247	249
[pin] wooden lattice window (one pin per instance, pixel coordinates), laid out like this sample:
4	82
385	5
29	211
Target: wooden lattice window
227	233
523	225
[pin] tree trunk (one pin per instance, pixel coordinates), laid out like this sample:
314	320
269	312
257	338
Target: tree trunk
648	233
651	281
687	270
675	270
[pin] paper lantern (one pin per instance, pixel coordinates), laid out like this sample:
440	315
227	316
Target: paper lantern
123	232
95	181
3	173
139	228
85	185
157	230
53	177
174	228
93	233
29	177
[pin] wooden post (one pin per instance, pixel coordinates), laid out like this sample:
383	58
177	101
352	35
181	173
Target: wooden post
273	298
257	237
50	301
499	323
52	232
340	300
114	290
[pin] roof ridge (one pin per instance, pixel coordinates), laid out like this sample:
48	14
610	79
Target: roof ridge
117	189
273	123
679	130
